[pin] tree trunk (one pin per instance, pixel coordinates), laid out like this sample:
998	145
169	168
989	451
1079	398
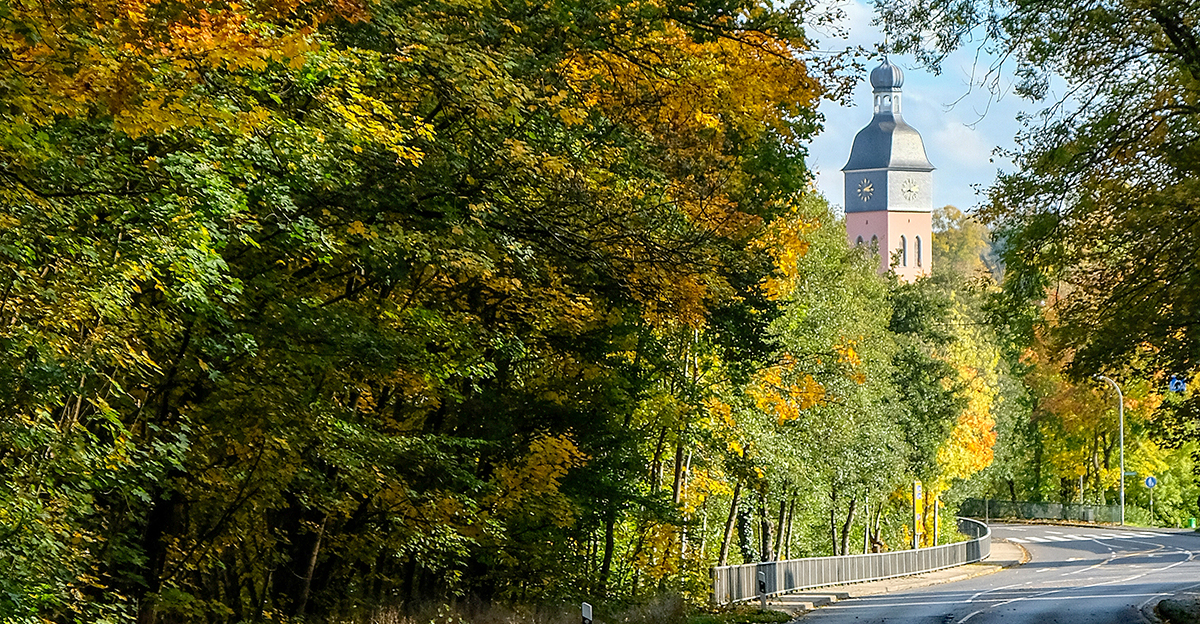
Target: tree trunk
846	526
877	544
656	464
745	530
764	524
867	522
833	536
610	524
791	520
723	558
780	529
677	487
302	604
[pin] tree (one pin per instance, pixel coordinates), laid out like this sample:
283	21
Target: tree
961	245
1101	208
409	300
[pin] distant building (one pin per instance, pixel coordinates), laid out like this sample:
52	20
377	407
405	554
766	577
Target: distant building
889	184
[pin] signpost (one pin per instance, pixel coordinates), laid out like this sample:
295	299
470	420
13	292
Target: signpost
936	518
587	613
762	590
1150	483
918	503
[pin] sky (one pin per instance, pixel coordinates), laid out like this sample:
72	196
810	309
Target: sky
961	124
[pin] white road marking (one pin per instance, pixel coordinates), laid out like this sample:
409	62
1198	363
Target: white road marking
994	601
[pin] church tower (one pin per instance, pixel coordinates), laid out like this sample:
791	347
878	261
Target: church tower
889	194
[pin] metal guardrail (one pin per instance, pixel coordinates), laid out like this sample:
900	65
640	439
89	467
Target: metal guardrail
1026	510
739	582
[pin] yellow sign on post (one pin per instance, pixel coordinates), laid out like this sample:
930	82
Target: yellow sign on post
918	508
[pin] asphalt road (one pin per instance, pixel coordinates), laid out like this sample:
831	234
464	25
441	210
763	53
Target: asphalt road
1076	575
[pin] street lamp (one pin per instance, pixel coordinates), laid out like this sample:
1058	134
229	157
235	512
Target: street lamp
1121	435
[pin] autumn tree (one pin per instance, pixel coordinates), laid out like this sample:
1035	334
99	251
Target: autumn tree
307	306
1100	209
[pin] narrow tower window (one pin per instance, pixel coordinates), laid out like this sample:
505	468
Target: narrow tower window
859	242
903	251
918	245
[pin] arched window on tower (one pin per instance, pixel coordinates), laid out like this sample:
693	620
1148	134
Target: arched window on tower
918	250
875	244
859	242
903	251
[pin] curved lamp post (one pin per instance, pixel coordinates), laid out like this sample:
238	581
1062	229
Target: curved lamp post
1121	435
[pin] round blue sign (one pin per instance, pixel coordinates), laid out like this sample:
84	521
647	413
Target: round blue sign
1151	482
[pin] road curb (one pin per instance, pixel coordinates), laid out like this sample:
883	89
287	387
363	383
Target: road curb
1149	612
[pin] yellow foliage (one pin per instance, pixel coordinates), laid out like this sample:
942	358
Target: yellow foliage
537	475
969	447
659	556
785	242
775	392
700	485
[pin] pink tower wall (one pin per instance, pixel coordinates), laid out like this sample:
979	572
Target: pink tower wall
889	227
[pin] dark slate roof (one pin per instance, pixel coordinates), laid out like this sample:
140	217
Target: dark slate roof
888	142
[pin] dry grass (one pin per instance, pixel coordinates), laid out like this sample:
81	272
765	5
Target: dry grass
661	610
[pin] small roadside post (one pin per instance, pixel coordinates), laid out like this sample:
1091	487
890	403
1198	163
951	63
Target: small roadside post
937	517
1150	483
762	590
587	613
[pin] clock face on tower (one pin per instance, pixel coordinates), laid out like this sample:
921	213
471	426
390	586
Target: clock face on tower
910	189
865	189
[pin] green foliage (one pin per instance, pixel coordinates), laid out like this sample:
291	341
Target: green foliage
1096	221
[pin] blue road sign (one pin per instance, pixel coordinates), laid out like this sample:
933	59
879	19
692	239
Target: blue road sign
1151	482
1175	384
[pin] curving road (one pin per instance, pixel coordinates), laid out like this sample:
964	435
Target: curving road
1076	575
